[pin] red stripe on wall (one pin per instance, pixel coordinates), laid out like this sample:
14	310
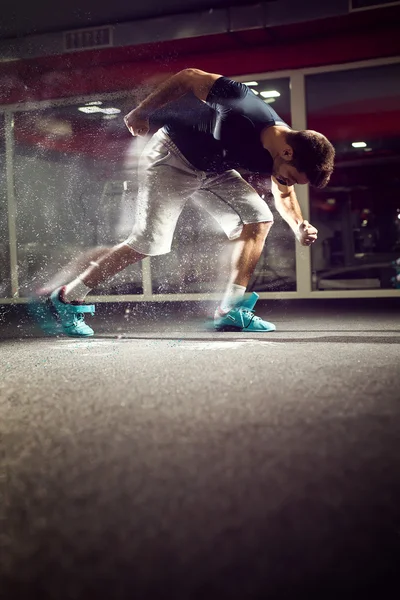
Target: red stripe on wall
26	81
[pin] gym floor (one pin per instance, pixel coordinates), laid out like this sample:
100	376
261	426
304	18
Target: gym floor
160	459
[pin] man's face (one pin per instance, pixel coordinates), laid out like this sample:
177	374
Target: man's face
286	174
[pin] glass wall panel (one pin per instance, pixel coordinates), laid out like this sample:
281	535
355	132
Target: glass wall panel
358	213
200	255
5	279
75	178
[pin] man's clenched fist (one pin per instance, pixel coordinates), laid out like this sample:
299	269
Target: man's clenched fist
307	233
137	123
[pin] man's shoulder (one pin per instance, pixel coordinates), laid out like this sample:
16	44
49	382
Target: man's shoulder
225	88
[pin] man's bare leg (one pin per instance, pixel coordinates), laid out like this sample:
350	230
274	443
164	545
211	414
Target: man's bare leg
107	265
246	253
67	301
74	268
116	260
235	313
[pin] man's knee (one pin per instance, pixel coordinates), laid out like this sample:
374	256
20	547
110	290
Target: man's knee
128	254
256	230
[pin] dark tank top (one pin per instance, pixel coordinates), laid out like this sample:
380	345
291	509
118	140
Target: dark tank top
222	133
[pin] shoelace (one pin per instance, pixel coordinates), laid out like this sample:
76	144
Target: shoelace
250	313
78	318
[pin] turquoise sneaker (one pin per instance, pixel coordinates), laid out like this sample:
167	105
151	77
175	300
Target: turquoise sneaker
242	318
71	315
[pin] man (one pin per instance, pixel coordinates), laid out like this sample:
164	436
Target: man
196	154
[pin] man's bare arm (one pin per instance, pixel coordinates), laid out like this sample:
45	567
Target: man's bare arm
286	204
195	80
288	207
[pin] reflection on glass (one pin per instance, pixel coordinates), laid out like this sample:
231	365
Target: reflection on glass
200	256
75	177
5	279
358	214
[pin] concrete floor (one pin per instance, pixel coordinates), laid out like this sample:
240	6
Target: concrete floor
163	460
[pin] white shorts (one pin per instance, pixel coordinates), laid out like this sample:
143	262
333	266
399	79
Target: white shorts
166	182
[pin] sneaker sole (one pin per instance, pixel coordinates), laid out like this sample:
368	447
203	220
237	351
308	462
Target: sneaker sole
242	329
228	328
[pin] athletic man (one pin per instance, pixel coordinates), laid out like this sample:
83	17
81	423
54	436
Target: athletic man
222	128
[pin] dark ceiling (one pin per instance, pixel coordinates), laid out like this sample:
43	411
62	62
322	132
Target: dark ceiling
44	16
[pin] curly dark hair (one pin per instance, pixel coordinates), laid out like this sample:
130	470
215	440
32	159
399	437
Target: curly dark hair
313	155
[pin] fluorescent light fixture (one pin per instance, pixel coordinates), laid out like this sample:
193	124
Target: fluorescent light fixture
250	83
359	145
89	109
110	111
255	92
95	109
269	100
270	94
94	103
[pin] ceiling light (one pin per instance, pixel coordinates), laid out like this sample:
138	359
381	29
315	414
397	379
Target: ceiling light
255	92
110	111
95	109
250	82
270	100
90	109
270	94
94	103
359	145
